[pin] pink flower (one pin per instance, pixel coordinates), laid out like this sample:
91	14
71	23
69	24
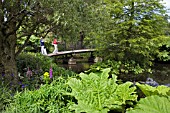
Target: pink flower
51	72
29	73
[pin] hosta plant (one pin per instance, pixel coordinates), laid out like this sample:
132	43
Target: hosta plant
96	93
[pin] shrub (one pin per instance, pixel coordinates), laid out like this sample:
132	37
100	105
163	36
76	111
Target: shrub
49	98
118	67
32	67
36	62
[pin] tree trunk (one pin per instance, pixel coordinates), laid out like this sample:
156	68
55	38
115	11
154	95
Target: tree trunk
82	36
8	68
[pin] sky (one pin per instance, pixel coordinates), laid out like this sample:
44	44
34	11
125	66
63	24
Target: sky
167	5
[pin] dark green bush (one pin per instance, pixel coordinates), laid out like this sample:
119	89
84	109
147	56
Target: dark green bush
37	64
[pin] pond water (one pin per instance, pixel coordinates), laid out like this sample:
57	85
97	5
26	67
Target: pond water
78	68
161	72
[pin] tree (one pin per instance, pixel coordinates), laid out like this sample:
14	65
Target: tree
136	28
19	19
77	18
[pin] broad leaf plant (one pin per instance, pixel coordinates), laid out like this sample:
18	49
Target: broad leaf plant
97	93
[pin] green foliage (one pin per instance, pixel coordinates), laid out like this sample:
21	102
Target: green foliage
96	93
163	53
49	98
46	77
71	17
33	44
38	64
133	67
152	104
149	90
113	65
119	67
134	31
6	96
34	62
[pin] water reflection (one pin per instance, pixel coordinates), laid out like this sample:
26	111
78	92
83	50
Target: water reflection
161	73
79	67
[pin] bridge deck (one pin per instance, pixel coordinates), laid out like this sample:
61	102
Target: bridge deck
71	52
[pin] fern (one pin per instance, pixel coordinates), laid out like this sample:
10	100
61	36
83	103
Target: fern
96	93
152	104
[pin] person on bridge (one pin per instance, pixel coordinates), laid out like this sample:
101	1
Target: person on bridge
55	43
43	49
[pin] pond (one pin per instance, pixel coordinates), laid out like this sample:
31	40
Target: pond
161	72
78	68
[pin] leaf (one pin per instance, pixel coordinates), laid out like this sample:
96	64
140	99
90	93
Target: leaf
152	104
88	108
163	90
96	93
105	73
128	92
149	90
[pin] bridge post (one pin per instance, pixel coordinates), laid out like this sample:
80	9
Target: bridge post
91	58
67	57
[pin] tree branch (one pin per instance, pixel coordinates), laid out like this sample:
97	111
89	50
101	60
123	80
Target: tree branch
25	34
23	46
20	20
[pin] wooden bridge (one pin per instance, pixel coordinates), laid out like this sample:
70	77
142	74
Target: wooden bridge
71	52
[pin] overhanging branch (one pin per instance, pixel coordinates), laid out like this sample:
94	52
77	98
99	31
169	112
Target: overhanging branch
20	20
23	46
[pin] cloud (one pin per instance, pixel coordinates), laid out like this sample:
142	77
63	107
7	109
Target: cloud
167	3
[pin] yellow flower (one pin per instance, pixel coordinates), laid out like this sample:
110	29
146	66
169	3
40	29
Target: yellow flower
46	74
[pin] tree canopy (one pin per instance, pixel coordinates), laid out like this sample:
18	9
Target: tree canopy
137	27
